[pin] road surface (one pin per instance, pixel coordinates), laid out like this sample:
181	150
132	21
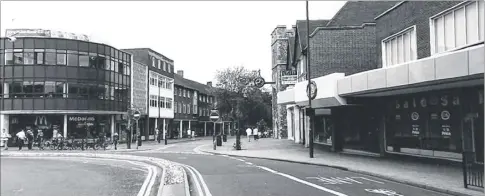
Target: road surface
246	176
77	177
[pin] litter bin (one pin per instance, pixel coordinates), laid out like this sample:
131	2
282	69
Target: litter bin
219	140
139	140
224	138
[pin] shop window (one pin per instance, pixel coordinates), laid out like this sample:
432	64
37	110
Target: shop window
72	60
50	58
39	58
168	103
83	59
61	58
18	58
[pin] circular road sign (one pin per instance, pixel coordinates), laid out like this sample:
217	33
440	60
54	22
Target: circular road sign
259	82
311	90
214	115
136	115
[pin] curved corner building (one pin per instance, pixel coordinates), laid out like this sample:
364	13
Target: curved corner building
79	88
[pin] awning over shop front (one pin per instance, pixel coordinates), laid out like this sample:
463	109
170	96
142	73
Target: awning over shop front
449	70
326	92
286	97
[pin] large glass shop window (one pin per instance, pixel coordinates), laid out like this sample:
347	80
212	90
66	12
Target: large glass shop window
428	121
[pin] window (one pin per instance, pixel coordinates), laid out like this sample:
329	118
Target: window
29	58
168	68
162	82
159	64
185	109
185	93
462	26
61	58
169	84
153	101
180	92
162	102
175	106
188	109
49	88
153	62
59	89
18	58
195	109
83	59
164	66
168	103
8	58
50	58
399	48
179	107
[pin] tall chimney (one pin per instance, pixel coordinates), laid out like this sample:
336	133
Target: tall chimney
209	83
180	73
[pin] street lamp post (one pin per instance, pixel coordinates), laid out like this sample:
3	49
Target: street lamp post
310	110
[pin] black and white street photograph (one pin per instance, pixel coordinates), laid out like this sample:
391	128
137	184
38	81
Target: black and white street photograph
242	98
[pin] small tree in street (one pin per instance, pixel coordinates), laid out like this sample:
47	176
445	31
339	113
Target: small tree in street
238	99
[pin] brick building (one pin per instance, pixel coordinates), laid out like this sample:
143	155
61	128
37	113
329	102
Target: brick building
416	91
350	33
193	103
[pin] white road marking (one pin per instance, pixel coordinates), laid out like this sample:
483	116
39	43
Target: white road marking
335	180
369	180
303	182
248	163
196	181
204	185
198	151
162	181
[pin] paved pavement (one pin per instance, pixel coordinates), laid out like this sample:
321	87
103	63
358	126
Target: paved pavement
246	176
437	177
26	176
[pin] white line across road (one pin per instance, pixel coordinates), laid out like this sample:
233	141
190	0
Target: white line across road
289	177
147	185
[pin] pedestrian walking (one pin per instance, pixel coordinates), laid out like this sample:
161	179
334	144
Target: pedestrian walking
189	133
193	135
255	133
157	134
40	139
5	137
20	138
116	137
30	139
248	133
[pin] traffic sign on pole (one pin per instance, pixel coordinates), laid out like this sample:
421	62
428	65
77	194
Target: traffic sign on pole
136	115
214	115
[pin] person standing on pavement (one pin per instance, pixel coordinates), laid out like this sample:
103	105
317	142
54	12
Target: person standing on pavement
30	139
21	138
40	139
248	133
255	133
157	134
116	137
189	133
5	137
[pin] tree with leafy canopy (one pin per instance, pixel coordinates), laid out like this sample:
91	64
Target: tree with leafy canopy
238	98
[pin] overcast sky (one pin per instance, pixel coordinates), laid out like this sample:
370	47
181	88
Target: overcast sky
201	37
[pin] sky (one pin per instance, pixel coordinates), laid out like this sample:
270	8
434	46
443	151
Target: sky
200	36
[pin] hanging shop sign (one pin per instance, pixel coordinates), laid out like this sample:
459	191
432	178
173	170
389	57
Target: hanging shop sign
311	90
289	77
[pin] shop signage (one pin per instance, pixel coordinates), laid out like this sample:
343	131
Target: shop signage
288	77
446	130
445	115
415	116
311	90
81	118
415	130
41	122
44	33
259	82
27	33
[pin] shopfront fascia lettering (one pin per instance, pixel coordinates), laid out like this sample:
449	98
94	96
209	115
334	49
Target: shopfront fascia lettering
81	118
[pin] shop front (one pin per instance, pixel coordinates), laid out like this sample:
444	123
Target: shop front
436	123
88	126
46	122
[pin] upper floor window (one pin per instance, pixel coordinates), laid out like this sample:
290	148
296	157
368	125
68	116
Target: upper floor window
164	66
159	64
168	68
154	62
400	47
174	105
457	28
168	104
